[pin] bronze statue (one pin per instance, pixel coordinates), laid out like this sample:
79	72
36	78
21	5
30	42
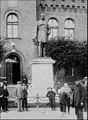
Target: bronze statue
41	35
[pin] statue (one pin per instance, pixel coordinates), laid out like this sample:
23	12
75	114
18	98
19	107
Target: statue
41	35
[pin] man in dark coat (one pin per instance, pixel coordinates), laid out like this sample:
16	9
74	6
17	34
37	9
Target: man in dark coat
24	79
2	102
24	99
5	96
51	95
79	99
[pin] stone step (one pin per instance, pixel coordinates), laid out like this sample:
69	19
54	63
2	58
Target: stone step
31	105
11	90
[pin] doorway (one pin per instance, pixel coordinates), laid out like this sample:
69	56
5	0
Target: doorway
13	69
16	72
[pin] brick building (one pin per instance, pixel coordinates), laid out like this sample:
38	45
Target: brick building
18	22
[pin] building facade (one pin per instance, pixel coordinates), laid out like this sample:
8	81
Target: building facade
18	28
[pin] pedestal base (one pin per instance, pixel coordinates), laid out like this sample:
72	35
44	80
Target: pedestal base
42	76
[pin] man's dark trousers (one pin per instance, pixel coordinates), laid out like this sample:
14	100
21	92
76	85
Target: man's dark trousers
79	113
2	104
52	103
62	107
6	103
24	103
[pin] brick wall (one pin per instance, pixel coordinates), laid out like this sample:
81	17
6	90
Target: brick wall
63	10
27	12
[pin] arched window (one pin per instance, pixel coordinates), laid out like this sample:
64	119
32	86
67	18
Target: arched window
69	28
12	24
53	28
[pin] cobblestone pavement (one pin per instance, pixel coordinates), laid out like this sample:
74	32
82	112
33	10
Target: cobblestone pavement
39	113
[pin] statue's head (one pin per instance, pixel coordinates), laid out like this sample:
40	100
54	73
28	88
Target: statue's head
42	16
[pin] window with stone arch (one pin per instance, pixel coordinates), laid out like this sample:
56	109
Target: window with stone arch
69	28
12	25
52	28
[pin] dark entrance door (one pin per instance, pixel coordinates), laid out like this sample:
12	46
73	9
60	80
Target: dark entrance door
9	72
16	72
12	69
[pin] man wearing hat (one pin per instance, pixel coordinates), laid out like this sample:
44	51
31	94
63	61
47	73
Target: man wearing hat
79	99
5	96
19	96
2	102
24	100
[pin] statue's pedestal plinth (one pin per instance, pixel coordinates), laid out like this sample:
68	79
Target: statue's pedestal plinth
42	76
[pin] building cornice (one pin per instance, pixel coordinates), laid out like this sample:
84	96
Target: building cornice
58	5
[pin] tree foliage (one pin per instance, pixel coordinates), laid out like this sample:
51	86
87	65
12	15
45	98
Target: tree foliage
2	50
67	52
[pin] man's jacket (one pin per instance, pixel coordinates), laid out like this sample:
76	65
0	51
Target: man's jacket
79	95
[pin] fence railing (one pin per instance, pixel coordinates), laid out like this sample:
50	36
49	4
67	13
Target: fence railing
36	99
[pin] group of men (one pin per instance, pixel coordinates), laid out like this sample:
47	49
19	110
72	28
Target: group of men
21	96
20	93
76	98
64	94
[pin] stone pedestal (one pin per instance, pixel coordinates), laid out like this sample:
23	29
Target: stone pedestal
42	76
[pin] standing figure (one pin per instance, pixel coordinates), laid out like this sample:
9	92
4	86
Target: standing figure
2	102
86	100
5	96
24	79
51	95
69	93
79	99
19	96
24	99
41	35
62	100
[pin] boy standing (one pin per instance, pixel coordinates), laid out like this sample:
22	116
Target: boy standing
51	95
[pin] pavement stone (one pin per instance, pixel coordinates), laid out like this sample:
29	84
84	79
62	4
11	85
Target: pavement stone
39	113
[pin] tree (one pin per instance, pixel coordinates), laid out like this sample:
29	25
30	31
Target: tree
67	52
